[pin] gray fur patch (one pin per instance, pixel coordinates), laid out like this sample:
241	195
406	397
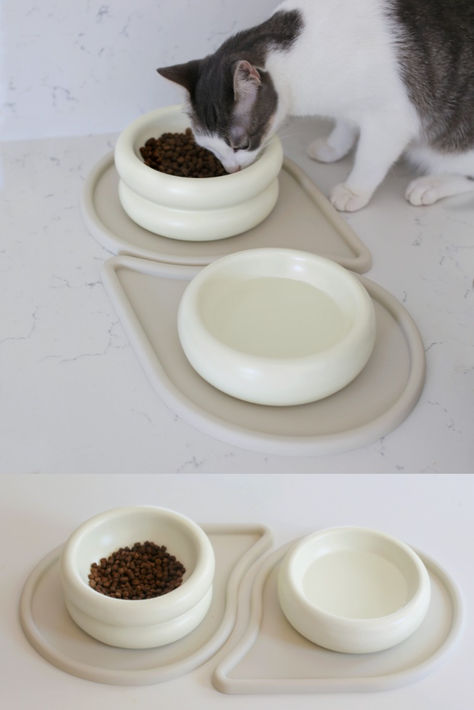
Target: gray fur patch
212	97
435	46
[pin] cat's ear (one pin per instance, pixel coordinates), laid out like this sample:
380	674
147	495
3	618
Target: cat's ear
183	74
246	82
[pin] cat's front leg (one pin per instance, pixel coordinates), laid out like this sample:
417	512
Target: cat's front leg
336	145
381	142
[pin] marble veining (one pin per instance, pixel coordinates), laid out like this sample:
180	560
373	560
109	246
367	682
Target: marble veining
59	59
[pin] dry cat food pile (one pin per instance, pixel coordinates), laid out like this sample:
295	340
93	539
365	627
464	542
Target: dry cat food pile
179	154
142	571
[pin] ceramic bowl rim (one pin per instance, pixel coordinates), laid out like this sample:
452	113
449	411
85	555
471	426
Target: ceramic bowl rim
202	574
422	581
191	294
125	149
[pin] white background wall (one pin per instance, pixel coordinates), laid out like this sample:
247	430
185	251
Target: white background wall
73	67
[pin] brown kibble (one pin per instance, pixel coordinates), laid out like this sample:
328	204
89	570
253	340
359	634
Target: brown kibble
142	571
178	154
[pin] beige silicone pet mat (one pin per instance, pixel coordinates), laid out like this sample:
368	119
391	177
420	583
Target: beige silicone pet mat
268	656
146	296
51	631
302	219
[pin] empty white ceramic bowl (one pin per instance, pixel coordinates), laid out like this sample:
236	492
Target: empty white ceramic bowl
193	209
144	623
353	590
276	326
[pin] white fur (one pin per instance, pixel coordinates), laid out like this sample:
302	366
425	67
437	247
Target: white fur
350	74
230	159
336	145
344	66
447	174
430	188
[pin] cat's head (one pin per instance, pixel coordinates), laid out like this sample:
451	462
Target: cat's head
232	106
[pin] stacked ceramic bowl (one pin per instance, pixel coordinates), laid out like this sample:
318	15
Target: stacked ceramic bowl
143	623
189	208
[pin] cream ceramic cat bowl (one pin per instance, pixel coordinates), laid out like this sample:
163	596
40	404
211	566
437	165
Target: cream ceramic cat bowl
144	623
276	326
353	590
193	209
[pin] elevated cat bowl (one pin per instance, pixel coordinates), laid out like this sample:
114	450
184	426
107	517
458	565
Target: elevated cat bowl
193	209
144	623
353	590
276	326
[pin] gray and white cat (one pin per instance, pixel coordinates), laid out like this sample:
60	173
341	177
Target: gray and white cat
397	76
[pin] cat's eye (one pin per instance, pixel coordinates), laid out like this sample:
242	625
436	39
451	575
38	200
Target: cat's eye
245	145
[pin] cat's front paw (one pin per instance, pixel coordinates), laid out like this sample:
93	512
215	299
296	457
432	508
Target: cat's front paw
346	200
323	152
425	190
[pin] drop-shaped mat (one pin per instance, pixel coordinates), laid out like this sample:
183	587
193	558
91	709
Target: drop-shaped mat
268	656
302	219
146	297
51	631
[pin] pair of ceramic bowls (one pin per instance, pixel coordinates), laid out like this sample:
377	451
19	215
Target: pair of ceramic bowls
347	589
271	326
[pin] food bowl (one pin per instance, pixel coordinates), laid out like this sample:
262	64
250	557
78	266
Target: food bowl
143	623
276	326
193	209
353	590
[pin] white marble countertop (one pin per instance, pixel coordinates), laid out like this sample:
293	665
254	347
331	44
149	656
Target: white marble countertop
74	397
431	512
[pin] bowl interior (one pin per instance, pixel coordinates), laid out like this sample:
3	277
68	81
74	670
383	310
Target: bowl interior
278	304
175	120
354	574
101	538
168	122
